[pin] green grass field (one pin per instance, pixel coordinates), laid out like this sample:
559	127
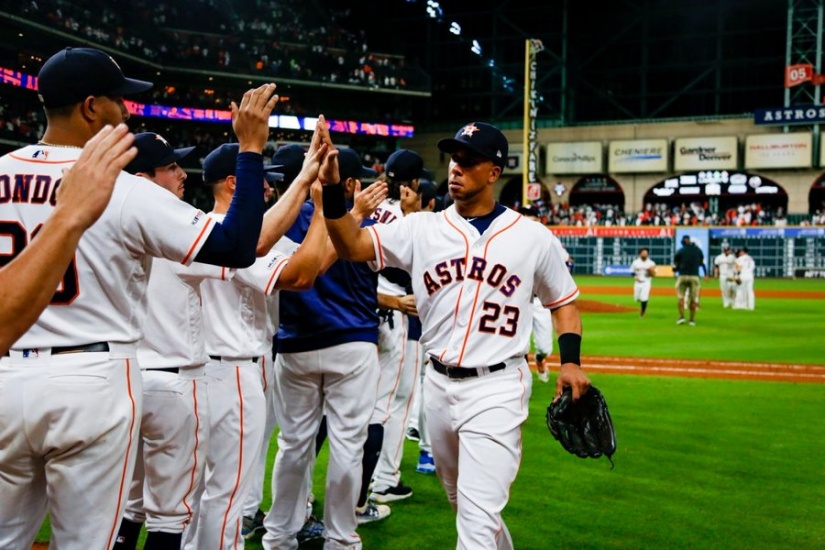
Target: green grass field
700	463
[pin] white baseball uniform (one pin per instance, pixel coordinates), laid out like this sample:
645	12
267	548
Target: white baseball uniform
641	278
236	320
542	328
173	431
474	294
725	264
70	420
746	270
398	375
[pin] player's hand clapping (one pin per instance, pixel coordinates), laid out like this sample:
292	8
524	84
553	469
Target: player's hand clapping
250	120
367	201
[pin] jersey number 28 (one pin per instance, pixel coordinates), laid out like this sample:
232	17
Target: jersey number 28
68	289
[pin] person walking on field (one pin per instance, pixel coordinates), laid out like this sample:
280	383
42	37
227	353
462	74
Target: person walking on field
644	269
686	264
723	268
744	269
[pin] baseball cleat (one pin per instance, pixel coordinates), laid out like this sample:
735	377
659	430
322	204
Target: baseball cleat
680	321
252	524
544	376
426	464
372	512
399	492
413	435
313	529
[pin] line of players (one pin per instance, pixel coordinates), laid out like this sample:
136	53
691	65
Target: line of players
736	273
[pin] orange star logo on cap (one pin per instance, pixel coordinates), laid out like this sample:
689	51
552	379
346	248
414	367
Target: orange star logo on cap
469	129
162	140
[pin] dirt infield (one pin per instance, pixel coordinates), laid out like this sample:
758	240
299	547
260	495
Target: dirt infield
592	306
712	291
691	368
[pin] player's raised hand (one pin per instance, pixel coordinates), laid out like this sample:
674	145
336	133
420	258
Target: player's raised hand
328	173
367	201
87	186
316	153
250	120
316	193
410	200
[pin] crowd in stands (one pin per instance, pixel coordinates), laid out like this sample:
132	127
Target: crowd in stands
660	214
266	37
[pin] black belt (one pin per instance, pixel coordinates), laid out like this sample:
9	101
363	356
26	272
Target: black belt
460	372
87	348
229	359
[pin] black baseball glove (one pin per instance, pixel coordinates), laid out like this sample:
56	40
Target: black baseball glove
583	428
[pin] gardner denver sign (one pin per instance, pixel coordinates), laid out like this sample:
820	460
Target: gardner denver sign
706	153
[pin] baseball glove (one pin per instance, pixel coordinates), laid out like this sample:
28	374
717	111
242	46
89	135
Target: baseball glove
583	428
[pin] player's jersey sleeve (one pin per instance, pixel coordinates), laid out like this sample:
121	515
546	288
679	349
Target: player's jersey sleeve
157	223
393	243
264	273
197	272
553	283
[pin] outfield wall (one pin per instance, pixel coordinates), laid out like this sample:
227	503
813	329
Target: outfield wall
778	251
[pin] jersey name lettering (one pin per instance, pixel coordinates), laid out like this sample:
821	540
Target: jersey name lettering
453	271
28	188
383	216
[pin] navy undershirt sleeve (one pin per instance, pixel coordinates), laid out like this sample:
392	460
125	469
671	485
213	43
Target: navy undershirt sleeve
233	242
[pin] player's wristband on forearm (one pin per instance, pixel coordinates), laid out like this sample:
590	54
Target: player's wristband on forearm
570	345
334	202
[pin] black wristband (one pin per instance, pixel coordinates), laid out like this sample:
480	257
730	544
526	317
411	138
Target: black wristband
570	345
335	204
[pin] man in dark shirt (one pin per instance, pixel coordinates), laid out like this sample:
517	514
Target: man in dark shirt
686	264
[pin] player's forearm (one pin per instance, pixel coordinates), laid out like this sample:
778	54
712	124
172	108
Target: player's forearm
233	243
305	264
28	283
385	301
280	217
351	241
566	319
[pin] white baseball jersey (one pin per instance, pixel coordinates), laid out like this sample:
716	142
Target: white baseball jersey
173	332
105	284
474	292
746	267
725	263
235	312
388	212
640	269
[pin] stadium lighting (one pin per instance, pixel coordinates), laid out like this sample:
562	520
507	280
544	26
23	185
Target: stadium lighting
476	49
434	9
455	28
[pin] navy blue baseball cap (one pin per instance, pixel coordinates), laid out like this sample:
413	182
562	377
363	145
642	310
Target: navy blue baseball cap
404	165
220	163
154	151
291	157
350	166
73	74
480	138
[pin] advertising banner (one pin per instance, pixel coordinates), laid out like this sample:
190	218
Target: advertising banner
791	150
705	153
581	157
638	155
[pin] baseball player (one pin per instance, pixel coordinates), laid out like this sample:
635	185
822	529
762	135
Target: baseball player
81	353
238	342
27	280
744	270
473	287
327	363
542	319
644	269
723	269
173	436
397	355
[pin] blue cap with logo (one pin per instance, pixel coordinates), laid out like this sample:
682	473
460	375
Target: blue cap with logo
404	165
154	151
220	163
73	74
480	138
350	166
